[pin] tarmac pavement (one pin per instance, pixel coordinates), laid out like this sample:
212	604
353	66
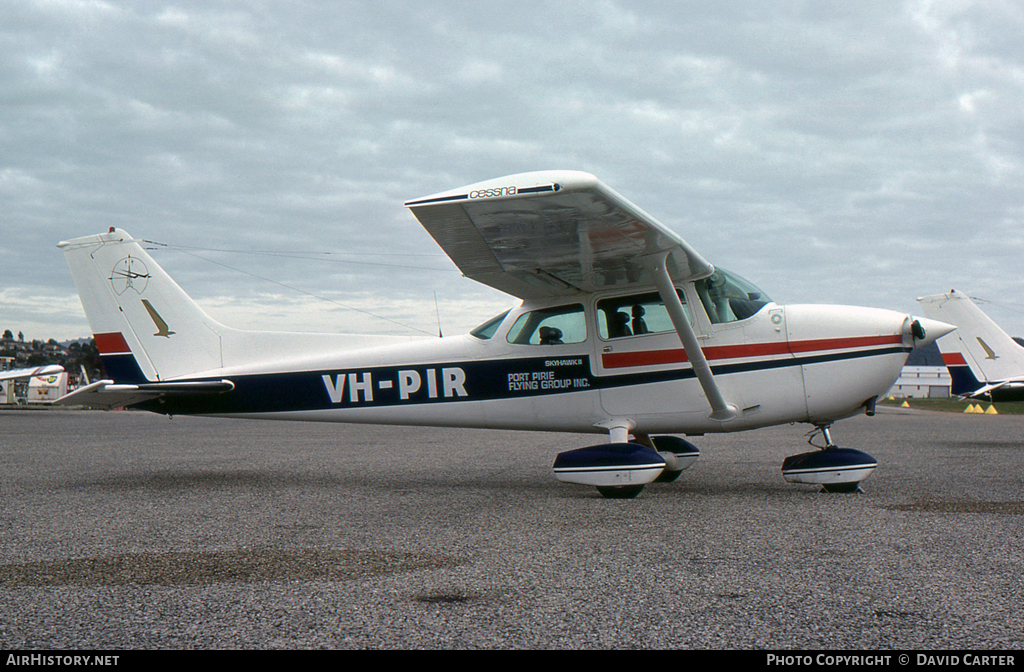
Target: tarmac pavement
132	530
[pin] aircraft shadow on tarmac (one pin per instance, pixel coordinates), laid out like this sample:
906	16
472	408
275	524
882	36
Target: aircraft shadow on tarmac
243	565
516	485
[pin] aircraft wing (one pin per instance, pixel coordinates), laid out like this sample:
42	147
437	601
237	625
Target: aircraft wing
550	234
21	374
108	394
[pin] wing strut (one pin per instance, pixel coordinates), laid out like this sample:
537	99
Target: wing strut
720	409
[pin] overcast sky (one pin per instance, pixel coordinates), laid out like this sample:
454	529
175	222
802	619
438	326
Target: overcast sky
831	152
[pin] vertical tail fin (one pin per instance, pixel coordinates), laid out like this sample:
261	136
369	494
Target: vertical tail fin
145	326
978	352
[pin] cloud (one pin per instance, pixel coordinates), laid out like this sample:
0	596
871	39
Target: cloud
830	152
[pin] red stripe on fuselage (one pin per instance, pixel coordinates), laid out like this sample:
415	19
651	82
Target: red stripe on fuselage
616	360
111	344
953	359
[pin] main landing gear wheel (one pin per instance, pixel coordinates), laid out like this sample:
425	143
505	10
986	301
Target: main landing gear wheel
620	491
668	476
834	469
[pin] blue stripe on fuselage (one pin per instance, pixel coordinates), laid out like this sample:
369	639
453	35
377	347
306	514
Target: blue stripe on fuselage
444	382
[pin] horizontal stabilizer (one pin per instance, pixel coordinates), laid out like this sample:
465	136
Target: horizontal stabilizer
24	374
108	394
1014	384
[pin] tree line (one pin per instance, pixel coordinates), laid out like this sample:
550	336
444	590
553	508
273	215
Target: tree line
76	356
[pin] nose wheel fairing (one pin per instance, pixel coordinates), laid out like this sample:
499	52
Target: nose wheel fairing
835	469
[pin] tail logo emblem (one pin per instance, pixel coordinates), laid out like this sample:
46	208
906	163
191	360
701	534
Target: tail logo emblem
990	354
161	326
129	273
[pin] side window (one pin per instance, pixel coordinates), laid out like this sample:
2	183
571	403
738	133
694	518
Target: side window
486	330
635	315
550	326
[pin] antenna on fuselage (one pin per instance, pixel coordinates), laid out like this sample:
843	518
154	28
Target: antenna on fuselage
438	311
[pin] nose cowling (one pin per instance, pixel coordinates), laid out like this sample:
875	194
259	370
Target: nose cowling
861	352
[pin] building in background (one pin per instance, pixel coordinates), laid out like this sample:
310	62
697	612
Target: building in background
924	376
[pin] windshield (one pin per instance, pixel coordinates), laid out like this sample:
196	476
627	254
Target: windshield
729	298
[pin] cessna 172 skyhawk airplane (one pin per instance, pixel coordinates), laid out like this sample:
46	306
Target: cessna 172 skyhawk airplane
984	362
623	330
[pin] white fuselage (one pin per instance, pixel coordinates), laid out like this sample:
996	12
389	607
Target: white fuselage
800	363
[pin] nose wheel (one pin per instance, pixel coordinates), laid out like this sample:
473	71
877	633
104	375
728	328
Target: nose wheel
620	491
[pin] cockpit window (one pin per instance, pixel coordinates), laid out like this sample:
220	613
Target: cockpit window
550	326
635	315
729	298
486	330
